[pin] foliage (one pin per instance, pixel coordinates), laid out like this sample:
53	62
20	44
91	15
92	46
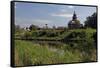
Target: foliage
91	21
30	53
18	29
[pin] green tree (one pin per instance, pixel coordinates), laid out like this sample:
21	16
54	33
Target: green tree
91	21
27	35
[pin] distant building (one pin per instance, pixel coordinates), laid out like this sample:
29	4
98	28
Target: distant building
74	23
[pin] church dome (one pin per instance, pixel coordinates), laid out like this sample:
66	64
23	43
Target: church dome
74	23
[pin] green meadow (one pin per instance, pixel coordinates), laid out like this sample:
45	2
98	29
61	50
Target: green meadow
31	53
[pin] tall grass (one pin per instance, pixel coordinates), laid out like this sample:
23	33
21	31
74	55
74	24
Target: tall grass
28	53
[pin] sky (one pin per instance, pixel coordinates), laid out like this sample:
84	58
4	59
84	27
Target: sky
52	14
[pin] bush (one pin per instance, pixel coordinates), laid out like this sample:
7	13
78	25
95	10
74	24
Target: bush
27	35
51	34
41	33
34	34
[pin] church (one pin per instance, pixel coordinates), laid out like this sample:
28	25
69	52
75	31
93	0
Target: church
74	23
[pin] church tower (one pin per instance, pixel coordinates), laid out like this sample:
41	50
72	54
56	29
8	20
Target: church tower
74	16
74	23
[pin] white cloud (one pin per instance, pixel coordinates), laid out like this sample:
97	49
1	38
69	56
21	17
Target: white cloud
42	21
71	7
27	22
63	10
65	15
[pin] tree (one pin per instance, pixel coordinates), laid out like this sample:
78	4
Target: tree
33	27
91	21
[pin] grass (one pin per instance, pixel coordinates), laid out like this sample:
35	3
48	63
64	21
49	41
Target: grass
28	53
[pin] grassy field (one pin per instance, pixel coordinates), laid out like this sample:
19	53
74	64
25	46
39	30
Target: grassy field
29	53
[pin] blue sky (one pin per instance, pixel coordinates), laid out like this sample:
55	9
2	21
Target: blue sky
51	14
